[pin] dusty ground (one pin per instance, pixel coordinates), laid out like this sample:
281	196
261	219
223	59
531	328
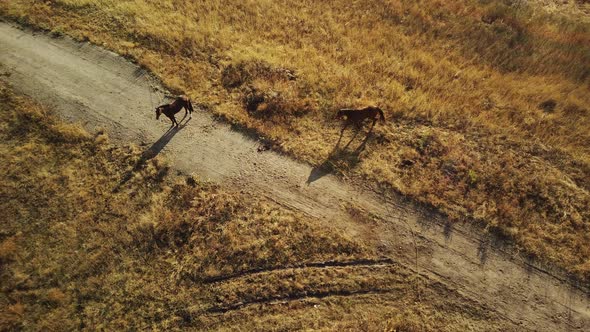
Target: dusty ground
102	90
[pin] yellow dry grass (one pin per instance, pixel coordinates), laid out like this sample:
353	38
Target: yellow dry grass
487	101
82	249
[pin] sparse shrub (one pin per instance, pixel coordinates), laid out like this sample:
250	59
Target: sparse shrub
11	316
243	73
8	250
278	106
253	99
57	32
55	297
548	105
234	76
405	325
429	144
268	93
472	177
496	10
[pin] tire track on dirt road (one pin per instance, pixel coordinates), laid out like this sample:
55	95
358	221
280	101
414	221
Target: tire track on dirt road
100	89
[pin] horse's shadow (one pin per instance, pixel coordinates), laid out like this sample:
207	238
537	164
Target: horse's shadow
151	152
343	156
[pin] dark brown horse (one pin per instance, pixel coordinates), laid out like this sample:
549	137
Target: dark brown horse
358	116
174	107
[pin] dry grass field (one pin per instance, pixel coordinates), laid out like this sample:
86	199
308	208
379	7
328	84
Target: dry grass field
96	236
487	102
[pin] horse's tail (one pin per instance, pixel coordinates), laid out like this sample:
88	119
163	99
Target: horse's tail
381	113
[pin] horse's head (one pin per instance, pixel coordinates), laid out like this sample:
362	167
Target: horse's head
339	114
158	112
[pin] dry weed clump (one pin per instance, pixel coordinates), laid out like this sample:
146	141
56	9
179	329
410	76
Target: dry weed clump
94	236
268	93
500	87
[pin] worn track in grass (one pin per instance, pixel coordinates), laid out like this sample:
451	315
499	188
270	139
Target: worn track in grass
100	89
360	262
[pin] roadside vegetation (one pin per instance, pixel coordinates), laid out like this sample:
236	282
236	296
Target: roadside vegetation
487	102
99	236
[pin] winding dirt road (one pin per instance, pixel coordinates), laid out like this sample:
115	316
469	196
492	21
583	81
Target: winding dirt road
100	89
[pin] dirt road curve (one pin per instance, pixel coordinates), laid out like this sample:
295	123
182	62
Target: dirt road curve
102	90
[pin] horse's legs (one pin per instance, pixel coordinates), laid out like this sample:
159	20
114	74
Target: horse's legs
363	144
339	140
356	132
344	127
173	119
340	137
372	126
189	109
184	117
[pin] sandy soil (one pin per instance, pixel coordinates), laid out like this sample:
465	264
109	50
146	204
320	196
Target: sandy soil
102	90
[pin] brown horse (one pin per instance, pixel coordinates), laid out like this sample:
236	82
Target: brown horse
174	107
358	116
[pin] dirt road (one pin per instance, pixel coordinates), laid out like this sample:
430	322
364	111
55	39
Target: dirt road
102	90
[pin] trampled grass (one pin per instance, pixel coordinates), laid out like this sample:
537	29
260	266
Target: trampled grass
487	101
82	249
